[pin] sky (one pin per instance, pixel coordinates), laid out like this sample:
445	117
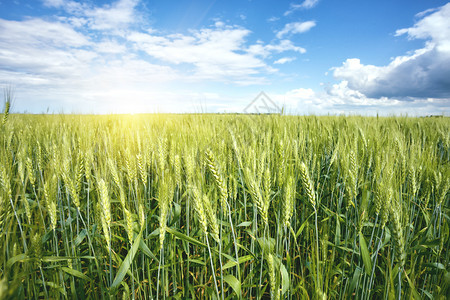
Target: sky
309	57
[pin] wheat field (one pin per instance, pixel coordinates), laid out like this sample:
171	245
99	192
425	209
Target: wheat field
224	207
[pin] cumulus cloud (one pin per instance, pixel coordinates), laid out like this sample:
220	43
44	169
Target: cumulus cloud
87	58
284	60
53	51
81	42
343	99
38	31
307	4
259	49
423	73
55	64
218	53
110	46
70	6
213	52
59	59
115	16
119	14
434	27
340	99
54	3
296	27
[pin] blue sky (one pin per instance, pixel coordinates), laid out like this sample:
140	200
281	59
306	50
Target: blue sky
311	57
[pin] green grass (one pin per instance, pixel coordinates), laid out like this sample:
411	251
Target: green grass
224	206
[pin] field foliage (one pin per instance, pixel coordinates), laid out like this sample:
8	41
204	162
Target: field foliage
224	206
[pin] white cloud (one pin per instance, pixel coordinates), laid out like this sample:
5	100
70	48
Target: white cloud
213	52
118	15
72	7
425	12
296	27
347	100
302	101
219	24
54	3
110	46
53	51
53	65
301	93
88	59
285	45
284	60
67	51
435	26
218	53
115	16
38	31
423	73
259	49
340	99
307	4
